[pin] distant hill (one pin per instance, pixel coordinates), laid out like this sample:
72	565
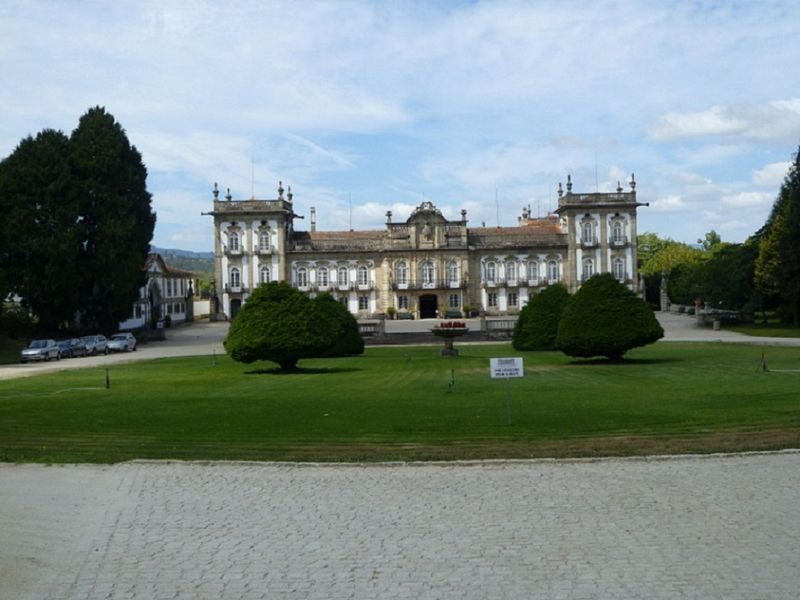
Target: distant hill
198	262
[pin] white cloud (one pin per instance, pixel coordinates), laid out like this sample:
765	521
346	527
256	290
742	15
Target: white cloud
771	174
775	120
747	200
669	204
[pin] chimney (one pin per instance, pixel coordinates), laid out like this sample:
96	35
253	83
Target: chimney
313	219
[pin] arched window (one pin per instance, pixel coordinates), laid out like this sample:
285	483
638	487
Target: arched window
588	268
617	232
452	272
533	271
322	276
511	271
264	275
302	277
362	275
402	272
619	269
263	241
427	272
236	280
587	233
552	271
342	278
233	241
491	271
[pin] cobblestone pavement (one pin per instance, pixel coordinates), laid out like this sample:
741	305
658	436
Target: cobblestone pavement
683	527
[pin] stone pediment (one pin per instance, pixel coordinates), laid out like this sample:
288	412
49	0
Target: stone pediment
426	211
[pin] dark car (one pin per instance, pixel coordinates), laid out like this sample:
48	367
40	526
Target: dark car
40	350
72	347
95	344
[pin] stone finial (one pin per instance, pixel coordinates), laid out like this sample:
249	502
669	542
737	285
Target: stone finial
280	190
228	196
569	184
619	187
633	183
464	214
560	191
215	191
388	216
289	194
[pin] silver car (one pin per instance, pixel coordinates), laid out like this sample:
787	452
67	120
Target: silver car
122	342
95	344
40	350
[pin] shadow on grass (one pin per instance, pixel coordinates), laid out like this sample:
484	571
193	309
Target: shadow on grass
301	371
625	361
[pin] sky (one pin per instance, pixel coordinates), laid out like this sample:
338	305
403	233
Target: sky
364	107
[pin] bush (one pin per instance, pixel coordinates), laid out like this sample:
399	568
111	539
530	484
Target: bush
15	322
537	325
283	325
604	318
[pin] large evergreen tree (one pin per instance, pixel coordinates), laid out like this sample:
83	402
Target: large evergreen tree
114	210
40	234
537	325
778	263
77	223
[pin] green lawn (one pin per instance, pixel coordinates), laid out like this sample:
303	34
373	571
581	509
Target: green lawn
769	330
395	404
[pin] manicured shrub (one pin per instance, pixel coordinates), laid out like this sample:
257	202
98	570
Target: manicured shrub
537	325
282	324
605	318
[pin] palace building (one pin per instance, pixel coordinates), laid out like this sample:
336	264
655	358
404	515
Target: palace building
426	265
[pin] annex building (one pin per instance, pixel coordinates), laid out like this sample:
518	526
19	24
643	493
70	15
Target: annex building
424	265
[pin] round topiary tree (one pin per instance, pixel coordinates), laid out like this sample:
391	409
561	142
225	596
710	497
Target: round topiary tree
282	324
537	325
605	318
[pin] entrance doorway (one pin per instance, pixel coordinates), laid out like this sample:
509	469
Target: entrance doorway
427	306
236	305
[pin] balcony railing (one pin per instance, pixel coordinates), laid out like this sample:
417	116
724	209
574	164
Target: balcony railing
619	242
236	289
588	242
263	250
435	284
232	251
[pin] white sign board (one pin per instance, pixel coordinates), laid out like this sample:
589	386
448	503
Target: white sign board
506	368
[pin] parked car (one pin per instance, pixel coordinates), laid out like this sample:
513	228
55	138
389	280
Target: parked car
122	342
72	347
40	350
95	344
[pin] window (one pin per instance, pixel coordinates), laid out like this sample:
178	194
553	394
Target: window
235	278
619	269
491	271
511	271
264	275
138	311
233	241
427	273
402	302
452	272
342	277
533	271
169	308
343	300
492	299
263	241
512	299
617	232
552	271
588	268
362	276
587	233
454	301
363	303
402	273
322	276
302	277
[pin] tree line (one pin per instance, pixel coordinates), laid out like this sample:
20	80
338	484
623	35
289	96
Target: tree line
760	274
77	224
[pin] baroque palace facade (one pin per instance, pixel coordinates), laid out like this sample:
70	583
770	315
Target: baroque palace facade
425	265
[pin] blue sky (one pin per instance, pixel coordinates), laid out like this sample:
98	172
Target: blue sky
364	107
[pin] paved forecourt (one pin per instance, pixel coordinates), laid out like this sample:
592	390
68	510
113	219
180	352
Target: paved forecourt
683	527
